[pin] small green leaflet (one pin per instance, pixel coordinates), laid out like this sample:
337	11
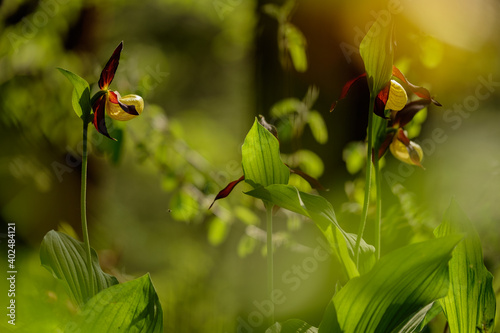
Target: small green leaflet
65	258
130	307
296	44
261	160
81	94
318	127
470	305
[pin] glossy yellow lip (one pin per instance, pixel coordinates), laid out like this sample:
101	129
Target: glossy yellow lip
397	97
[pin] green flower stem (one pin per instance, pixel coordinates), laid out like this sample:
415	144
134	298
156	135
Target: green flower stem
270	273
378	216
83	207
368	179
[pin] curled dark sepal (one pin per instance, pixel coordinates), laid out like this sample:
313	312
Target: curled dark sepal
315	184
130	109
404	116
346	89
267	126
381	101
227	190
108	73
417	90
99	116
401	136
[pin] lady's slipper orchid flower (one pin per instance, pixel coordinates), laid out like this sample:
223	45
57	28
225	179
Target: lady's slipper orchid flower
384	101
405	150
397	140
111	102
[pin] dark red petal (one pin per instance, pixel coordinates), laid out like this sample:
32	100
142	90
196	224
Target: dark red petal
99	116
346	88
417	90
108	73
381	101
312	181
130	109
227	190
402	137
405	115
385	145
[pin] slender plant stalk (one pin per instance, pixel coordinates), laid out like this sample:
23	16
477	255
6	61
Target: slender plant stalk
270	273
83	208
368	179
378	217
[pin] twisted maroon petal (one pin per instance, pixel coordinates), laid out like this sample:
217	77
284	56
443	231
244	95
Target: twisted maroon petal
346	89
385	144
404	116
108	73
99	116
227	190
417	90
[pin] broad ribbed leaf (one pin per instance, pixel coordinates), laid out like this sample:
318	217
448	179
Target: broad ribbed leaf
398	287
321	212
261	158
81	94
65	258
470	302
292	326
377	52
127	307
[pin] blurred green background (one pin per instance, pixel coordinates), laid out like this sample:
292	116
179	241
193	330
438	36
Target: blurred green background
205	69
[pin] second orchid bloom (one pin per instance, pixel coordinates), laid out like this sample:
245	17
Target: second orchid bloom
392	103
111	102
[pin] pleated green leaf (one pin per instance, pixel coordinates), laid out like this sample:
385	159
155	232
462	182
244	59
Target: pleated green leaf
65	258
261	160
377	52
81	94
398	287
127	307
292	326
321	212
470	304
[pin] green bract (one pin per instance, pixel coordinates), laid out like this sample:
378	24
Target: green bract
377	52
81	94
261	160
470	302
